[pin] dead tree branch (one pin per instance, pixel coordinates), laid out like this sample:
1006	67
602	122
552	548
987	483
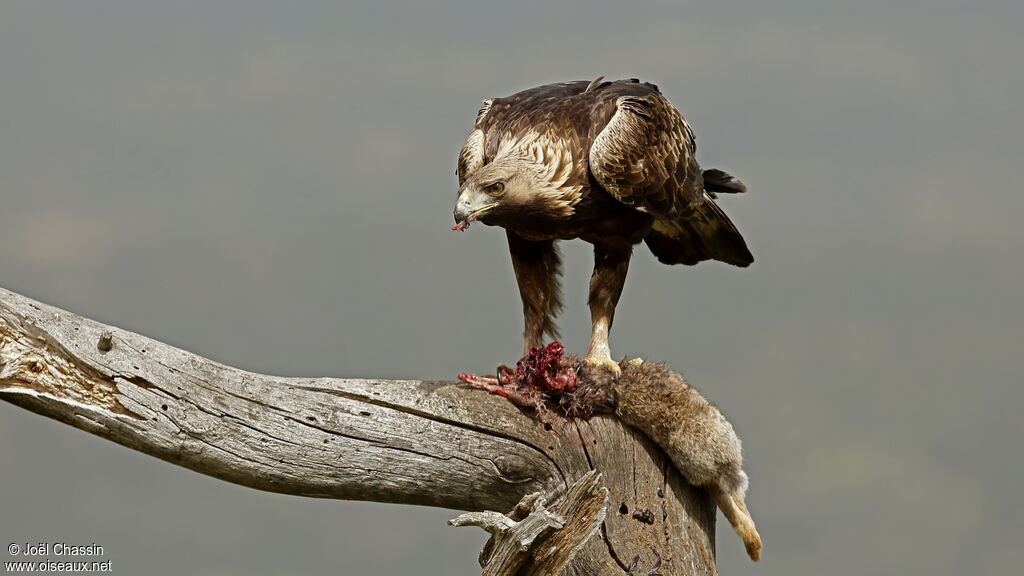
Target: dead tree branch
402	441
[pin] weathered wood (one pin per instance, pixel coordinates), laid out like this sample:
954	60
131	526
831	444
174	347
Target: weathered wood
544	539
403	441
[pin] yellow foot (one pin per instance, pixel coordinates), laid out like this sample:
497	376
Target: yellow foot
598	367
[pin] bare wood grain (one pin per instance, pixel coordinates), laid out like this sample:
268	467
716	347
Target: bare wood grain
402	441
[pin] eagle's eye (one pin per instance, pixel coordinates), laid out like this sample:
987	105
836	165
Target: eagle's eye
495	188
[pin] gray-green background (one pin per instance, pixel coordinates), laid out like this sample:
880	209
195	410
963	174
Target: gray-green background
270	184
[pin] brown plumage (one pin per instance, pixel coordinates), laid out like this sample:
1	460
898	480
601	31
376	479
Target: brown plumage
611	163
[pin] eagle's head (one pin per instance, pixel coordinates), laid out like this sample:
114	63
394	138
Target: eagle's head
497	194
537	180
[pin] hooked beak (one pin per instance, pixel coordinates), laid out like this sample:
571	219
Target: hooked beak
465	212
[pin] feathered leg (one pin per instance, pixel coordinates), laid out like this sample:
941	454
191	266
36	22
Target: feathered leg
538	267
611	262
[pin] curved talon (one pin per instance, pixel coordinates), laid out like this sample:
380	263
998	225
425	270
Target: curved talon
603	365
504	374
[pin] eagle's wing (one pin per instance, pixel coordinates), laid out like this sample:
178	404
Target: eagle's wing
645	156
471	157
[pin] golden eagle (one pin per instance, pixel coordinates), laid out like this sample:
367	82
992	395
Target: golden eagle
611	163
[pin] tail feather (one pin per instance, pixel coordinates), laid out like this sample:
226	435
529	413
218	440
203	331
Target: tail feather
704	233
734	507
721	182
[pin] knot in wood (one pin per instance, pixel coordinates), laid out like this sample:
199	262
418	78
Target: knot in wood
513	468
106	342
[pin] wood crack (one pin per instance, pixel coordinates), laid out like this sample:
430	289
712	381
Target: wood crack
438	418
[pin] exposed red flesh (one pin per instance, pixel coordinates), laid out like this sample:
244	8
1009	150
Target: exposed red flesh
546	377
461	226
544	369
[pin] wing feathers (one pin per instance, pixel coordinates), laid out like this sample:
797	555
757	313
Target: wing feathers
644	156
483	112
471	158
594	84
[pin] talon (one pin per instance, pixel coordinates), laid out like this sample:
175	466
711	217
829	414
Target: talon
604	365
504	374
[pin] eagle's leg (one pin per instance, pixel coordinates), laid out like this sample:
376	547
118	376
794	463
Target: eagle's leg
611	262
538	266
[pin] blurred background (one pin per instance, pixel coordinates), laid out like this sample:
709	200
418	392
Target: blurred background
270	185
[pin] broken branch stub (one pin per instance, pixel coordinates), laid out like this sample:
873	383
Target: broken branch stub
543	539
